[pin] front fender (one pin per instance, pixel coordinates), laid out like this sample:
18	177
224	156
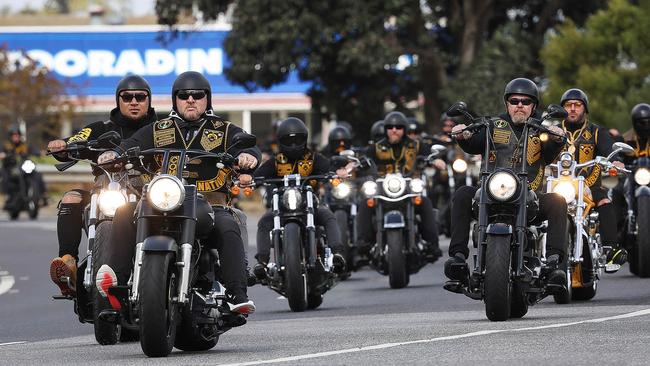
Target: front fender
642	191
499	229
159	243
393	220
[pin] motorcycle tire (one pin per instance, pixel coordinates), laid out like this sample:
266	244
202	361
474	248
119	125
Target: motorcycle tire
13	214
585	293
518	303
398	275
566	297
314	300
342	221
188	337
158	312
129	335
105	333
295	279
497	285
643	236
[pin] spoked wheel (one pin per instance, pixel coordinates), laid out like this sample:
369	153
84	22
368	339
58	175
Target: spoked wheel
158	313
294	276
398	275
498	286
105	332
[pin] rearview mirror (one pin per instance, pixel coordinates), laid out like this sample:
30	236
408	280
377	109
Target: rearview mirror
457	109
555	111
347	153
437	149
625	148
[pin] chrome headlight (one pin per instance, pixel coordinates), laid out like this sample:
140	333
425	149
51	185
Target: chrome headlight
394	185
369	188
502	186
565	189
642	176
459	166
429	171
417	185
341	191
110	200
166	193
291	199
28	166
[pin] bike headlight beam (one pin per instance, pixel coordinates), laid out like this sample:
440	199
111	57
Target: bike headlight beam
341	191
291	199
417	185
166	193
565	189
394	185
28	166
642	176
369	188
110	200
502	186
459	166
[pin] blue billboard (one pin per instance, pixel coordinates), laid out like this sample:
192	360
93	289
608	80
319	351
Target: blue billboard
95	59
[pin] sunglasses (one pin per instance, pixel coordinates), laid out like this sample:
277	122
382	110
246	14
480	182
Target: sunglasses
293	140
128	97
196	95
515	101
390	127
576	104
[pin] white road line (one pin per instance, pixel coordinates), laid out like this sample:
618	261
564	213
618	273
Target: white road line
11	343
6	283
438	339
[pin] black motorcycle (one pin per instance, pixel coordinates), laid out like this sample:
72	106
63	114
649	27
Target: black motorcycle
302	269
24	187
399	250
112	189
509	270
637	221
174	296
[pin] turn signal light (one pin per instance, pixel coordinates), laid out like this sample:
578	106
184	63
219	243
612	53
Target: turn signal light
613	172
248	191
235	190
370	202
417	200
336	182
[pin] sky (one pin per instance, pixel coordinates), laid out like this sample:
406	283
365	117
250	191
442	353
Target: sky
139	7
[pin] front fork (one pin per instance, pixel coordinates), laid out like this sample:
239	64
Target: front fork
92	221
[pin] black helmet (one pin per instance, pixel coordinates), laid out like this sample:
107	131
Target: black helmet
395	119
522	86
377	130
338	134
346	125
641	118
132	82
414	126
191	80
292	137
575	94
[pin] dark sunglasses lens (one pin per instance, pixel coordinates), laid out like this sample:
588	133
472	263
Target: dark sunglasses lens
127	97
195	95
390	127
522	101
292	140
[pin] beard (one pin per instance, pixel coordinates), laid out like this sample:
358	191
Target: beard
519	118
578	119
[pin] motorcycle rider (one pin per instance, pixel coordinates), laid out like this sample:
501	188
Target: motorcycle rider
521	98
414	129
588	140
376	132
191	124
133	110
339	139
12	150
397	153
638	136
296	158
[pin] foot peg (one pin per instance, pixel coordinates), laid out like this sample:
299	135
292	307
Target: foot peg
453	286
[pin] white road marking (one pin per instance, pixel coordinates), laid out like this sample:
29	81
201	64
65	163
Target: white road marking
23	278
6	283
11	343
438	339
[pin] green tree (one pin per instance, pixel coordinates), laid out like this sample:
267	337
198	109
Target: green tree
31	94
350	50
608	58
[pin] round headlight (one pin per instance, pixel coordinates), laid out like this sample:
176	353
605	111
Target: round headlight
166	193
642	176
394	185
565	189
502	186
459	166
109	201
417	185
341	191
291	199
28	166
369	188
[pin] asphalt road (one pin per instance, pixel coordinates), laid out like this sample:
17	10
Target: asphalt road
362	321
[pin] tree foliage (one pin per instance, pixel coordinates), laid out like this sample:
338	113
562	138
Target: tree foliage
352	52
608	58
31	94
